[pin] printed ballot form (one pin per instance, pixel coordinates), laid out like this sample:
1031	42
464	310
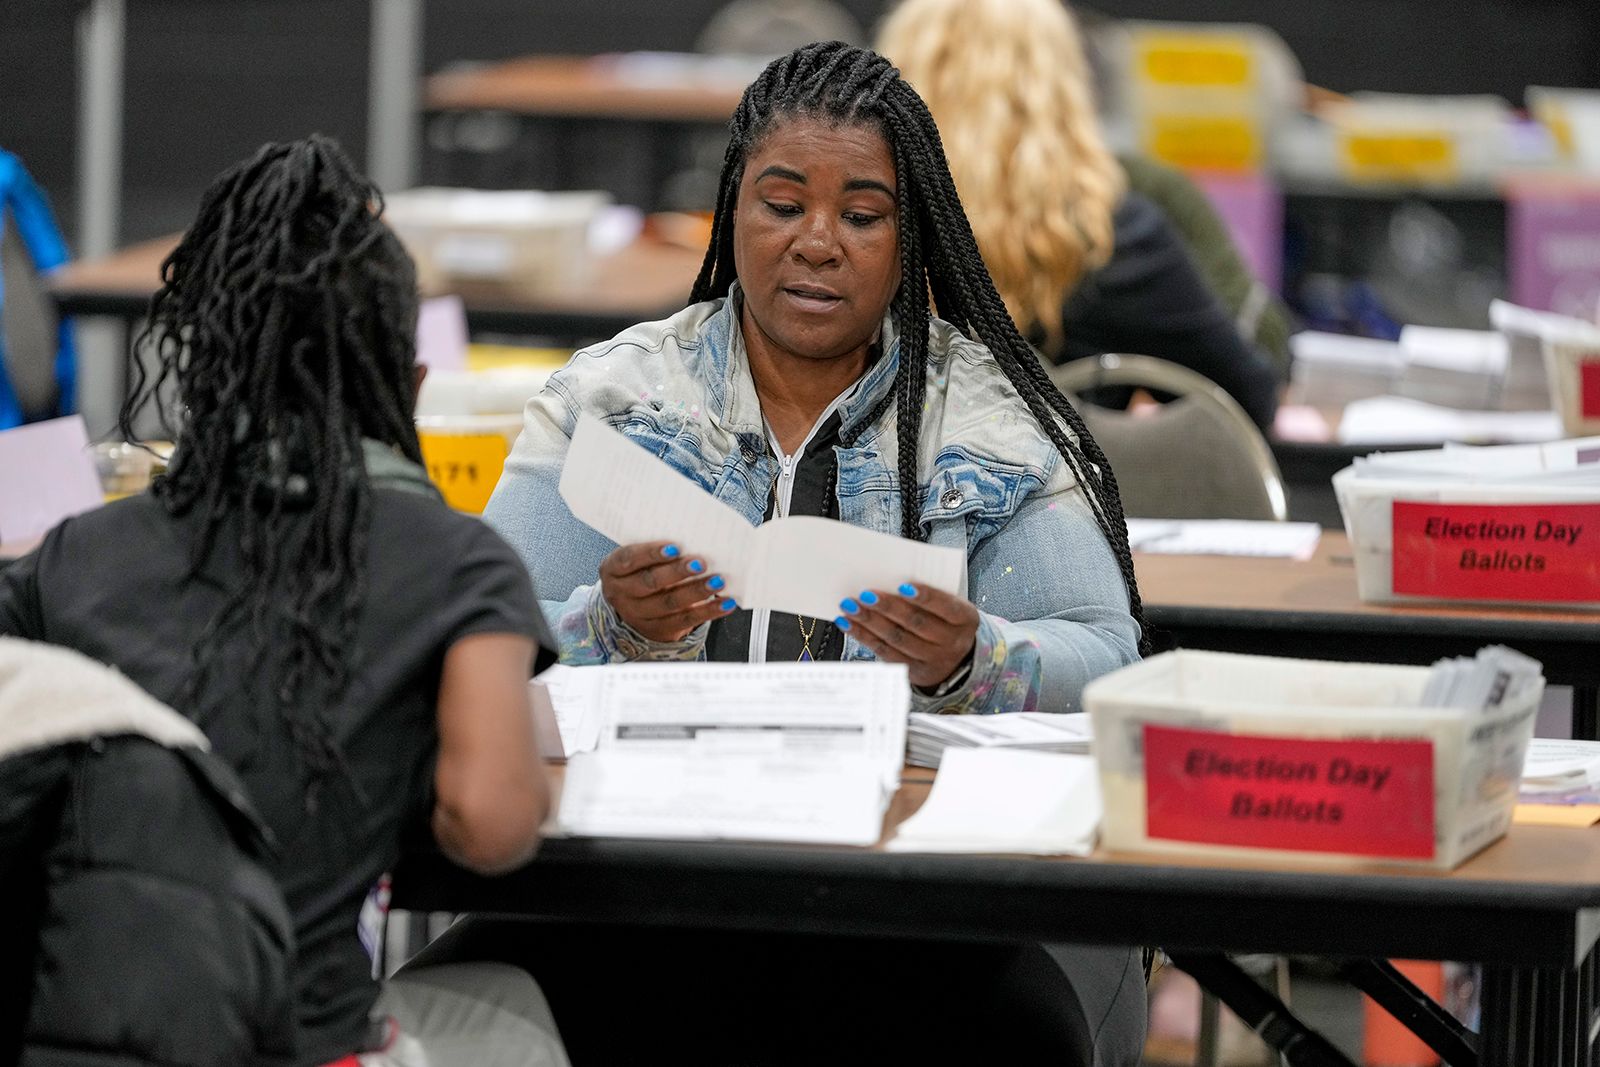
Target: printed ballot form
769	752
802	564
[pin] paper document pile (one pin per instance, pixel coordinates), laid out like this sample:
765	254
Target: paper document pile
1494	678
1396	420
1560	768
1031	731
704	751
993	800
1224	537
801	564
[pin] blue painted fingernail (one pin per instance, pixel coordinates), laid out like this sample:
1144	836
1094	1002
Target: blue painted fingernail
728	605
715	583
907	589
869	597
850	606
695	566
842	623
671	551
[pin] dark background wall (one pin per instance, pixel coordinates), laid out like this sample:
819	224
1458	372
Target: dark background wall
208	80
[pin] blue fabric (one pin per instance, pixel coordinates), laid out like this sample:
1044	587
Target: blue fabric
1053	607
23	201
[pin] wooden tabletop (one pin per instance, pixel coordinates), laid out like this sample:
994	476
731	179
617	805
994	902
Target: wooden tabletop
643	281
133	271
587	87
1552	855
1531	898
1325	585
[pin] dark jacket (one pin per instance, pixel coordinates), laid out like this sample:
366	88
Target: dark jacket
139	925
1149	300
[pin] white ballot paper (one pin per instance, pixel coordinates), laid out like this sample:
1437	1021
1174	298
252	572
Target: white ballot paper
1224	537
571	694
767	752
1000	800
801	564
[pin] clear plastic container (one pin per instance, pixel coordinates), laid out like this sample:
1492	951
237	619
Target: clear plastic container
1476	756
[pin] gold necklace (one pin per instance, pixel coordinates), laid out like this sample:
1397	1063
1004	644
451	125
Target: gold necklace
805	638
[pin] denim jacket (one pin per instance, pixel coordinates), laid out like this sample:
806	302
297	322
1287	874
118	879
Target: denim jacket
1053	608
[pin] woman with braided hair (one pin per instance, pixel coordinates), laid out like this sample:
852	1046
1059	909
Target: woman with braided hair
354	648
810	376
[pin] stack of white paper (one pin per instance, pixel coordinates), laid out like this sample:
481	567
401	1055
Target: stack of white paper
994	800
773	752
1399	420
1558	766
573	693
1032	731
1496	677
1224	537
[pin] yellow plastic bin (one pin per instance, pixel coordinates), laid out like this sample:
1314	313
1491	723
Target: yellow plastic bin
465	453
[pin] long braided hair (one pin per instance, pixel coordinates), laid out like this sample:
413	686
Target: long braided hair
843	84
283	333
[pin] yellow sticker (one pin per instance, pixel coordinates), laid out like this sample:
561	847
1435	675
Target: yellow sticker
1391	155
1195	59
1204	142
465	467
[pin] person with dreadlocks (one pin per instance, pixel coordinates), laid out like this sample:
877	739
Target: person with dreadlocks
810	376
357	651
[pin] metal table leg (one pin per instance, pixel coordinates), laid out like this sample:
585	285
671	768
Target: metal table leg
1586	712
1397	995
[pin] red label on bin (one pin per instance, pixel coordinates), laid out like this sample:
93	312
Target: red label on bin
1497	551
1365	798
1589	388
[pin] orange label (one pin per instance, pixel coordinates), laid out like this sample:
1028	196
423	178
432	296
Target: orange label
465	467
1364	798
1537	552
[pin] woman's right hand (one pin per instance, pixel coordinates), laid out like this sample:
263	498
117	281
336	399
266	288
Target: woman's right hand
661	592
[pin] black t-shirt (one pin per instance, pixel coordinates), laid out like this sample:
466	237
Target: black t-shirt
1150	300
112	584
791	637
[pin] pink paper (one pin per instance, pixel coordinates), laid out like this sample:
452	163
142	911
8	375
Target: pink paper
1554	247
1252	208
442	334
46	475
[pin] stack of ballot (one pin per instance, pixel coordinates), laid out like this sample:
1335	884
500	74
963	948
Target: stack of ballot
718	751
1398	420
1494	678
1561	770
999	800
1224	537
929	735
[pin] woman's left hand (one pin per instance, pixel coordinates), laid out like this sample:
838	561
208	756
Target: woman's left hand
929	630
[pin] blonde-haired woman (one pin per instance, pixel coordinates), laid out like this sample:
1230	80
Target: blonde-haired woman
1084	265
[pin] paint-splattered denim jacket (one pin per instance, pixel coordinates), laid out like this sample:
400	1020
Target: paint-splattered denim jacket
1054	611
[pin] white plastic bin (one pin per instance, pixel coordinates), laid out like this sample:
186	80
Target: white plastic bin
1572	367
1362	714
514	241
1517	559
